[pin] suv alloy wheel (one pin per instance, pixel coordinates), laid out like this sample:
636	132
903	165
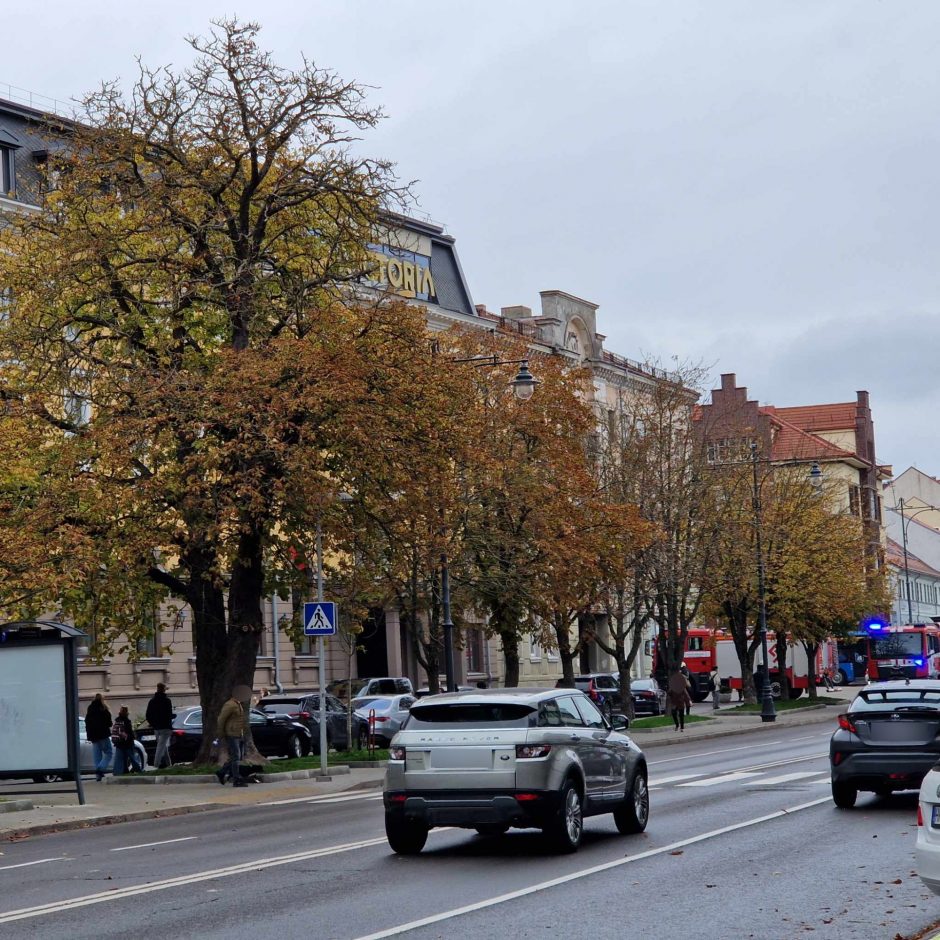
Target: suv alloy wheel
567	825
634	812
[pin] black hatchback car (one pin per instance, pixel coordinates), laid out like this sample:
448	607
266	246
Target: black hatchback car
306	708
887	740
274	736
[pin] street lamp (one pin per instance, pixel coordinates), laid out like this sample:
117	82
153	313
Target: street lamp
522	385
905	522
768	711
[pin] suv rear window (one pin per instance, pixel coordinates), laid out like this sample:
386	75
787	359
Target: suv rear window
881	700
471	716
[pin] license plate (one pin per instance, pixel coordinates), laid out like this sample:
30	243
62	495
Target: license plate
148	737
935	817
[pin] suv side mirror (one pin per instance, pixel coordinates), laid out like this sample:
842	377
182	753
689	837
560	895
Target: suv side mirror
619	722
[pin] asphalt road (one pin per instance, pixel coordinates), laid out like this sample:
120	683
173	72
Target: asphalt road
743	842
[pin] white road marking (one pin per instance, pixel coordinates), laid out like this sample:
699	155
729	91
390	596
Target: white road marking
673	779
147	845
723	778
117	894
346	799
39	861
584	873
325	798
785	778
724	750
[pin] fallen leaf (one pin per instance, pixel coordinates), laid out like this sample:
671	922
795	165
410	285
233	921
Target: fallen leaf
676	852
897	881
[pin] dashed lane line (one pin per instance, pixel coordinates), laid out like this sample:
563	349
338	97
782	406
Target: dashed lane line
39	861
147	845
586	872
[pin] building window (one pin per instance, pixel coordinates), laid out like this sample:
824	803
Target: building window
728	450
855	501
535	649
474	641
7	172
149	644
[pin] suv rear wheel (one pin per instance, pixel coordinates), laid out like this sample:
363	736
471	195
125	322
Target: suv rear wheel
404	836
633	813
844	795
566	826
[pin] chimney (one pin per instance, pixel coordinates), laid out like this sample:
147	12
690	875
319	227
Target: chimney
515	313
729	382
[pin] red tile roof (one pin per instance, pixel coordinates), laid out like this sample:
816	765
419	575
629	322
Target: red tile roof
793	443
837	417
895	555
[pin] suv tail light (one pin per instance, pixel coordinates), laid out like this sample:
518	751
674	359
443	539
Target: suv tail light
304	715
179	734
528	751
846	724
592	691
396	753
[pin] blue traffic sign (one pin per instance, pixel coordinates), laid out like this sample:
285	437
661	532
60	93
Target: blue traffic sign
319	618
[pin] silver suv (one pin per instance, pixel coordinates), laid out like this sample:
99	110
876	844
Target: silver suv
492	759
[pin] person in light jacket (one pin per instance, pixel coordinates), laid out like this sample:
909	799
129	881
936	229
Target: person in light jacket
98	731
679	698
232	724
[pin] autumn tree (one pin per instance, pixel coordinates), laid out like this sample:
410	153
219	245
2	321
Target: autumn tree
183	327
653	457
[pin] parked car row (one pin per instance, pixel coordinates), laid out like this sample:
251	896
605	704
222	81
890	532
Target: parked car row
603	688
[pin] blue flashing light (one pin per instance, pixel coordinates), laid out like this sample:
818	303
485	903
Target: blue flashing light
918	662
874	624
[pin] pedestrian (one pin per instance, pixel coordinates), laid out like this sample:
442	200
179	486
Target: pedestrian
827	678
98	731
232	727
679	698
685	671
122	737
714	686
260	697
160	718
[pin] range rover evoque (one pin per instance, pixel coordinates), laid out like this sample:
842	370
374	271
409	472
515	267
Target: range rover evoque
493	759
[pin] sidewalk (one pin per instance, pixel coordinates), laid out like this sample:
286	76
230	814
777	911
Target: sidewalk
729	722
108	804
105	805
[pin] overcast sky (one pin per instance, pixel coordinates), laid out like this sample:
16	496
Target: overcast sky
752	184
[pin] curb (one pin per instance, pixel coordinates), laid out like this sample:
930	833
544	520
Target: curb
818	718
161	779
69	825
15	806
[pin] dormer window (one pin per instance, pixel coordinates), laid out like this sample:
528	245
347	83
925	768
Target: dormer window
9	144
7	172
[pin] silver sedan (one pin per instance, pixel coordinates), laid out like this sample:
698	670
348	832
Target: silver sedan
390	713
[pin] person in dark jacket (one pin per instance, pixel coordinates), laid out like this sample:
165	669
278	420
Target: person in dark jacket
122	736
678	698
160	718
98	731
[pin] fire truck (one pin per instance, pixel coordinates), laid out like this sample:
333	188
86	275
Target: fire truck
903	652
700	659
797	665
707	649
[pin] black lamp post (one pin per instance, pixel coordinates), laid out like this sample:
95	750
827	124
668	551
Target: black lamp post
767	712
523	385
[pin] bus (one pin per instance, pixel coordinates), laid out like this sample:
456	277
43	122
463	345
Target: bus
904	652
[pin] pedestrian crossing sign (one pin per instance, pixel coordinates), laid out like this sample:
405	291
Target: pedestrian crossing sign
319	618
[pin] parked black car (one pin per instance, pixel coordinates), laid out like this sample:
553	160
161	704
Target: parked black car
888	739
649	698
603	689
306	708
274	736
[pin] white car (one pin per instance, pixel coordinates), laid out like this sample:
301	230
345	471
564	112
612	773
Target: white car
927	849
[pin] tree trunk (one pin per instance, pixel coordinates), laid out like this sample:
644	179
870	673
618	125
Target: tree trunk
782	650
812	649
509	640
565	653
